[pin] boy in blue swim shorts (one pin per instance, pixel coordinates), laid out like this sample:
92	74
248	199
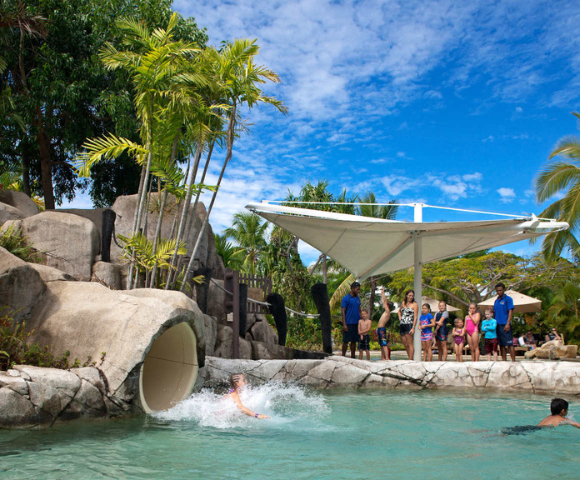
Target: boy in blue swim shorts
381	332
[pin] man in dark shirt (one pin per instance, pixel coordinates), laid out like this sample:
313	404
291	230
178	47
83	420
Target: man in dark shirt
504	314
351	314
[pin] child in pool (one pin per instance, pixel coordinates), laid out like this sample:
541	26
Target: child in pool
364	327
458	335
489	328
380	333
559	409
237	383
426	324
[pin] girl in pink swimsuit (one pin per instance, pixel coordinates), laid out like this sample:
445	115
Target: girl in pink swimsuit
458	335
472	321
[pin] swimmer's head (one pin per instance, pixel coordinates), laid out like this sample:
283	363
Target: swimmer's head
238	380
559	406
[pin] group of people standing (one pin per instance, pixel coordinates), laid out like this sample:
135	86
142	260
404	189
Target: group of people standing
496	327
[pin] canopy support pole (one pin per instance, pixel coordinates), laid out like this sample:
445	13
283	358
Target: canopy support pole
418	277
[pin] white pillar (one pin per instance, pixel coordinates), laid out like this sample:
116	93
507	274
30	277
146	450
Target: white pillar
417	286
418	276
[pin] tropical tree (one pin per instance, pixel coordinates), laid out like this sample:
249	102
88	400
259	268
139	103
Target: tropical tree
248	230
232	256
166	78
238	79
64	95
562	177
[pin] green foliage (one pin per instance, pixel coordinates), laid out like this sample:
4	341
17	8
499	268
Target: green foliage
13	240
562	176
16	350
233	257
248	230
63	94
564	311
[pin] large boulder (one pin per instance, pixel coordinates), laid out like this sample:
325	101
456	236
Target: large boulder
95	215
9	213
206	256
216	302
261	331
223	347
117	330
108	274
20	201
68	242
21	286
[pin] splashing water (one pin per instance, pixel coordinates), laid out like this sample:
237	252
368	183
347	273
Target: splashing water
283	403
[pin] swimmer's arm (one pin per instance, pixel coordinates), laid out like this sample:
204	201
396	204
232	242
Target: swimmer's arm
245	409
570	422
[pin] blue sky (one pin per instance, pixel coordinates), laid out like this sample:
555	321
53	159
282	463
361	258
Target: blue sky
449	103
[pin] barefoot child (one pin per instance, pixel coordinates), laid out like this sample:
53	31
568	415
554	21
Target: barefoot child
559	409
489	327
381	331
364	327
458	335
426	324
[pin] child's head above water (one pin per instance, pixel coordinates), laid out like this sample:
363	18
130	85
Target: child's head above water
559	406
237	380
426	308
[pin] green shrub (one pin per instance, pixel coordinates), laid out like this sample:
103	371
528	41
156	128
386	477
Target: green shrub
14	349
17	244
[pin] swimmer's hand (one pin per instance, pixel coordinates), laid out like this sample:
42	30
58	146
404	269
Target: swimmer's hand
262	416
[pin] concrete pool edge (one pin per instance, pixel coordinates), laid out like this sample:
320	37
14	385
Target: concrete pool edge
340	372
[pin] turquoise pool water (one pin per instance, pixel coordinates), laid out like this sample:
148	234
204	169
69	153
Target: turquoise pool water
336	435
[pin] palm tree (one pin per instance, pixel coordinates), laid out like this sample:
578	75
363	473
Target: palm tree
167	78
238	79
562	176
249	232
233	257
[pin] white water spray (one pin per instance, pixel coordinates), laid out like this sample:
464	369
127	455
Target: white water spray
283	403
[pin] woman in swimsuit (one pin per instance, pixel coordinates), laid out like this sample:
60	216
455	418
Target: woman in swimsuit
472	321
458	335
237	383
408	314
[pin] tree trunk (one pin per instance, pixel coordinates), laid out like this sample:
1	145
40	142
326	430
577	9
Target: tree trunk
230	143
135	218
192	217
324	270
184	213
45	163
26	173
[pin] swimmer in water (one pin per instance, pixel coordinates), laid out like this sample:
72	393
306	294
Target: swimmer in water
238	382
559	409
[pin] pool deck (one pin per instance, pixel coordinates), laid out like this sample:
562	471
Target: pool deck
543	377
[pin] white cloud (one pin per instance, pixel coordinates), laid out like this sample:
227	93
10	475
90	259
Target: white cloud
472	177
506	194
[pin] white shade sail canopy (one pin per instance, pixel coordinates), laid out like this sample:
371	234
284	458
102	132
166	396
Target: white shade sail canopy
371	246
522	303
